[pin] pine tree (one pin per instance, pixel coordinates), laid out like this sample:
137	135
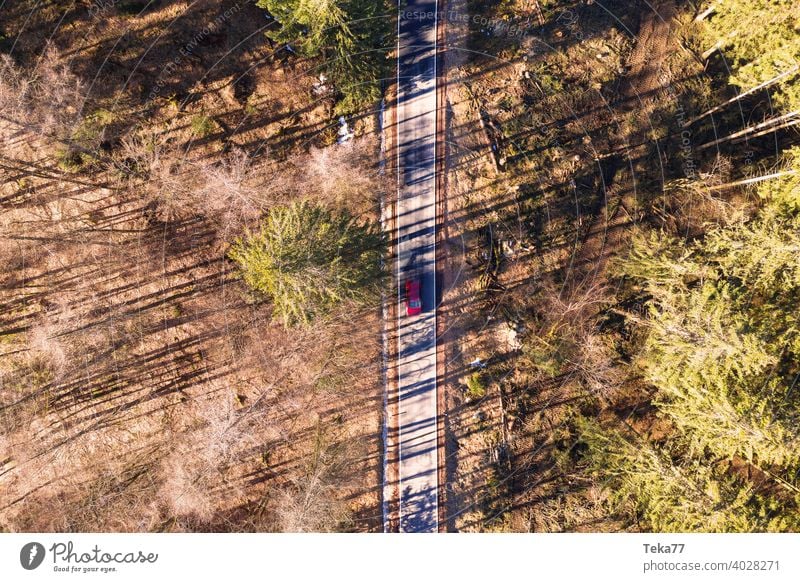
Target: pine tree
668	490
723	337
759	39
351	36
309	259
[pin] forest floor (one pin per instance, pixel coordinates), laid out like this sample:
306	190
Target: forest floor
556	133
141	387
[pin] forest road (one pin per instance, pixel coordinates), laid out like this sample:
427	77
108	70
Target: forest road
416	259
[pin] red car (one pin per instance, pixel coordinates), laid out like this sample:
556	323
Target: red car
413	301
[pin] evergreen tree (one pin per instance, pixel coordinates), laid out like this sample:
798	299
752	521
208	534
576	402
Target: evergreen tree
670	491
351	36
760	40
309	259
723	341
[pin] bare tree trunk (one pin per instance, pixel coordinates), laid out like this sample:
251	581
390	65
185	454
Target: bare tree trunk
706	13
493	146
539	14
707	54
721	43
769	130
763	85
773	124
754	180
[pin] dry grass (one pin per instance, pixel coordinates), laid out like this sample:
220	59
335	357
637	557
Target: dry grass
574	126
141	387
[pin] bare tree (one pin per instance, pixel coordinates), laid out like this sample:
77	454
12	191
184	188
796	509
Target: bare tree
311	502
345	174
161	171
229	195
47	99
